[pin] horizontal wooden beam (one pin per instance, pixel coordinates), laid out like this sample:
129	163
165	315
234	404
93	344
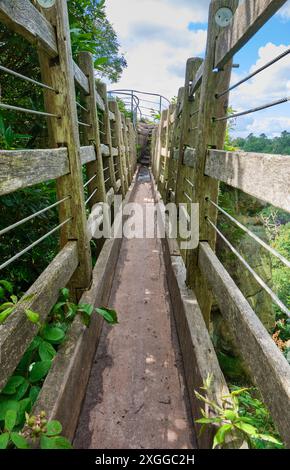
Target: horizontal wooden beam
17	332
81	79
88	154
105	150
100	102
115	152
248	19
22	168
118	185
268	367
263	176
197	80
22	17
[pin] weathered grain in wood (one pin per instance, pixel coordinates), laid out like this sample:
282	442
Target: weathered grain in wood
115	152
105	150
102	90
263	176
64	132
88	154
116	126
17	333
23	18
92	134
81	79
100	101
209	134
196	82
174	149
126	155
269	369
249	18
22	168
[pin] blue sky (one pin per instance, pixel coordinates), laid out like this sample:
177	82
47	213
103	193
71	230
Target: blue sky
157	37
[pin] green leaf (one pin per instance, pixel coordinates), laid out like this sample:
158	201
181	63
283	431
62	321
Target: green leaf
54	428
109	315
247	428
7	286
268	438
46	351
19	441
64	293
219	438
33	393
208	420
53	334
24	406
86	308
8	405
231	415
12	385
4	440
39	371
5	314
57	442
100	61
14	299
239	392
10	420
32	316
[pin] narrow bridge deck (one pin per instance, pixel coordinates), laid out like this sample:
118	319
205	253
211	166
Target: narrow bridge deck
136	397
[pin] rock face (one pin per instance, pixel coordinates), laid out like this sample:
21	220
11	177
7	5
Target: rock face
144	142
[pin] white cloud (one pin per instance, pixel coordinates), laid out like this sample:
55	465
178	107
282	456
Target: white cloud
156	40
269	85
284	12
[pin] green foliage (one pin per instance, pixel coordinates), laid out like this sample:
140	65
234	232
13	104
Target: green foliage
91	31
278	145
235	423
123	109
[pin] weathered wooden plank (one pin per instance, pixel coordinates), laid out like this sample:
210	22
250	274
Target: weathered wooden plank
80	78
17	332
269	369
112	116
88	154
115	152
209	134
197	79
100	102
66	129
96	187
263	176
22	168
248	19
164	152
110	196
22	17
105	150
118	185
189	157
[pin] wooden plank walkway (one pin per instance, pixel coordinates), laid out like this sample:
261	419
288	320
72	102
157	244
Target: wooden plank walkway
136	396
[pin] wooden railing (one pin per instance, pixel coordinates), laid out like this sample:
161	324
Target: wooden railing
188	164
108	154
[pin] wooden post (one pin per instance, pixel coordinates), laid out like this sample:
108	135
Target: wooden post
210	135
126	151
113	105
174	148
92	134
64	131
102	89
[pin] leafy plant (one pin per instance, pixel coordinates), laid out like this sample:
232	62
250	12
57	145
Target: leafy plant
37	428
233	425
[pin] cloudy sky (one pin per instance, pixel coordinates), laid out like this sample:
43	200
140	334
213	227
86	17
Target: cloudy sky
158	36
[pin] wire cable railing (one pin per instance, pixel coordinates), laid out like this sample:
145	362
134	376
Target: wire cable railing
25	110
253	110
32	216
259	280
252	235
28	248
28	79
256	72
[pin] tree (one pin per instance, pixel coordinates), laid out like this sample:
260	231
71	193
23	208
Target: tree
91	31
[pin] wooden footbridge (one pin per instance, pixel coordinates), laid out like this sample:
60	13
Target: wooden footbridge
141	390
